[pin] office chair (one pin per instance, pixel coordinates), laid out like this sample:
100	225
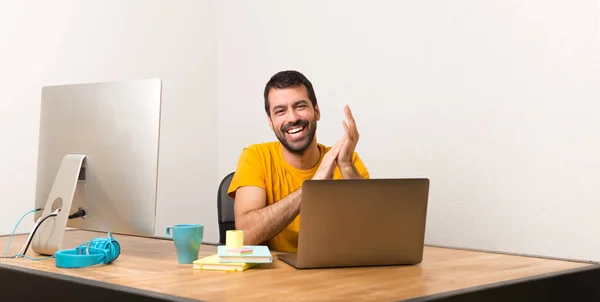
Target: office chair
225	208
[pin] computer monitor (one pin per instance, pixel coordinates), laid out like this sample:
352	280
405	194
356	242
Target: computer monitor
98	150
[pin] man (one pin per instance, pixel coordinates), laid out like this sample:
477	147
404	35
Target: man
267	183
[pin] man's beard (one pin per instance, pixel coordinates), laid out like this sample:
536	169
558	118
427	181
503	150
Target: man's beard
297	147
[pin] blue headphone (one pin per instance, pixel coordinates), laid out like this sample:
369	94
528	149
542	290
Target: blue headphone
93	252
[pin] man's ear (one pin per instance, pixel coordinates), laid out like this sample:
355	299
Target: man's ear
317	112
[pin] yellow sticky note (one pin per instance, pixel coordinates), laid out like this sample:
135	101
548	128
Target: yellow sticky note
234	239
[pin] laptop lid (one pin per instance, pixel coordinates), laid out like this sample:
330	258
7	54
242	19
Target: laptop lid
364	222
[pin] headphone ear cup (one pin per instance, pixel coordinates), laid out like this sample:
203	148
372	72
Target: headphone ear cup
114	244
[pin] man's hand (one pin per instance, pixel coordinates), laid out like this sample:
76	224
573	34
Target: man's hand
328	163
349	141
340	155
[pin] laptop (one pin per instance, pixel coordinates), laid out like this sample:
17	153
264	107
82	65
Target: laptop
361	222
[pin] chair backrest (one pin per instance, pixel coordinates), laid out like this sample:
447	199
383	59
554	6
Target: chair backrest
226	215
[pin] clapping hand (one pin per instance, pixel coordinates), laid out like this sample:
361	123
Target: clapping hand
328	163
348	141
340	155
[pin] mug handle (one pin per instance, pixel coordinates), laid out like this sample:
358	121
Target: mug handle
168	232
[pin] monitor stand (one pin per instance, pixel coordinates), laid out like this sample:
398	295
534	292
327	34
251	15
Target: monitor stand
49	235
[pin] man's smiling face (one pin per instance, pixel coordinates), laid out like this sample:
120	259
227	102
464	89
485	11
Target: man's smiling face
293	118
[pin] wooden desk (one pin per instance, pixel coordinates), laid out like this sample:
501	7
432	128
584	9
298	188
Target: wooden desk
147	269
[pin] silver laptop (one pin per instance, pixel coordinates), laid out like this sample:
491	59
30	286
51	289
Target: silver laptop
363	222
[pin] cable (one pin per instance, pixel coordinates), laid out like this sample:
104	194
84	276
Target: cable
30	258
54	214
80	213
15	229
30	237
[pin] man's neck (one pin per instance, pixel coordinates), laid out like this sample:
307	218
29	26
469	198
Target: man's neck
305	161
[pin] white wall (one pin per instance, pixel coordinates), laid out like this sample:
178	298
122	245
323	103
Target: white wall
64	42
494	101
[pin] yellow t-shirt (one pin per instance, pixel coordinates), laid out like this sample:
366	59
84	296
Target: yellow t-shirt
262	165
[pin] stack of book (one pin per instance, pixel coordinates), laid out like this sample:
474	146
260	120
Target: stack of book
235	259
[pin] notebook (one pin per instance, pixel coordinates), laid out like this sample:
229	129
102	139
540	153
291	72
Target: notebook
212	263
259	254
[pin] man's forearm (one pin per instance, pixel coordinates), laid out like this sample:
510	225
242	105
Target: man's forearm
349	172
263	224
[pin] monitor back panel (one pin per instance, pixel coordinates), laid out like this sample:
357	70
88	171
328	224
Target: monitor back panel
116	124
362	222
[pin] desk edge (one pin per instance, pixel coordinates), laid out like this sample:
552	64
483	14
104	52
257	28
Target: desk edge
95	283
592	262
591	268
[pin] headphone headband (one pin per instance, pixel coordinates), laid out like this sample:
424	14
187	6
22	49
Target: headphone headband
93	252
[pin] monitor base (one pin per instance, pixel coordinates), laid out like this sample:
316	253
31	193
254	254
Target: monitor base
49	235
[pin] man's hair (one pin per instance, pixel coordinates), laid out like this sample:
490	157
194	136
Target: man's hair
288	79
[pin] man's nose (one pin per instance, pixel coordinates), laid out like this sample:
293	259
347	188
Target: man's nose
292	117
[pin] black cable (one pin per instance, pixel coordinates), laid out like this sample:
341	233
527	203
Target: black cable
80	213
35	229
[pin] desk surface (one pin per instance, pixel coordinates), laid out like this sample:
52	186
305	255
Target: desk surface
150	264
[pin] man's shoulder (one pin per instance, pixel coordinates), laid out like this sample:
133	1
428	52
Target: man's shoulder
253	165
264	150
324	147
268	147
